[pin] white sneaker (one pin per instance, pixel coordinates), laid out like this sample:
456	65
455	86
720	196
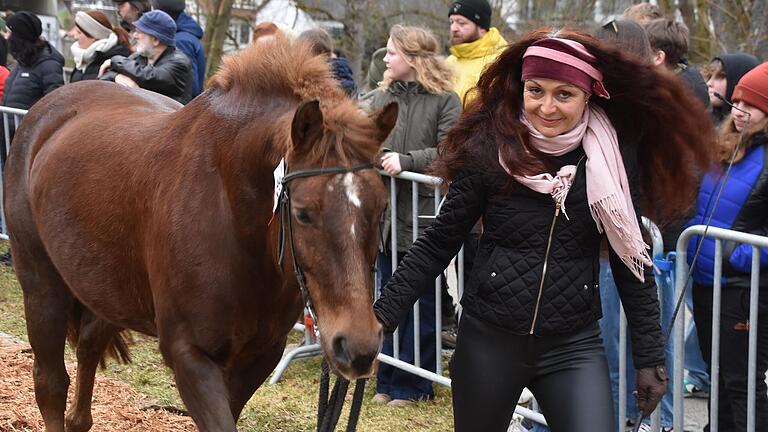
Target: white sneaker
645	427
525	397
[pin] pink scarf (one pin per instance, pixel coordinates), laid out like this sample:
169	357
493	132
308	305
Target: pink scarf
610	202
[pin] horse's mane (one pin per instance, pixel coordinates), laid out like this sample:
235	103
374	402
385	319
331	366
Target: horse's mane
289	70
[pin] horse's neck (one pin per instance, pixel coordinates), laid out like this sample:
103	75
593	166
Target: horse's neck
251	132
246	141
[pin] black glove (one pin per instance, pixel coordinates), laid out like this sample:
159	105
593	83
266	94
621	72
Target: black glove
651	386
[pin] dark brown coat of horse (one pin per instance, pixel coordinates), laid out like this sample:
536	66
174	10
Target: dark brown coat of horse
127	211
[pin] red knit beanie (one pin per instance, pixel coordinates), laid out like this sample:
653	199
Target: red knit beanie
753	88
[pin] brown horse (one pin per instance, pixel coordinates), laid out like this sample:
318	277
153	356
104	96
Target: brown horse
128	211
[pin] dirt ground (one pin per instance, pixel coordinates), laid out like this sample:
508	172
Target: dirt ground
116	407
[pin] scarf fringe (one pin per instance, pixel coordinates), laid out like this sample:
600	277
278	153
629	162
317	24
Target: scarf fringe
610	210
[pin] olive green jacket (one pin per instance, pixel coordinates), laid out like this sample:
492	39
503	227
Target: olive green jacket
422	122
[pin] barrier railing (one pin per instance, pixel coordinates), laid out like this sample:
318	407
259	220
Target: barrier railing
720	235
8	128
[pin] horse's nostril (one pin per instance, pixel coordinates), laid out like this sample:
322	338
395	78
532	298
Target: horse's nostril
340	350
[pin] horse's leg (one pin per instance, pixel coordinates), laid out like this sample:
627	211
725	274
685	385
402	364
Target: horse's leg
247	373
47	301
95	336
201	384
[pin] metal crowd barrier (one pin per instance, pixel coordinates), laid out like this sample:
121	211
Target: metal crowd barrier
8	114
720	235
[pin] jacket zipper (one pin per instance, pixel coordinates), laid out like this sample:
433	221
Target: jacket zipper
544	269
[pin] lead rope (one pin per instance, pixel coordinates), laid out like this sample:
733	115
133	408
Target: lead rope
329	407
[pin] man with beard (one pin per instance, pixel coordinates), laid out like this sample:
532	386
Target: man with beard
188	39
156	65
474	43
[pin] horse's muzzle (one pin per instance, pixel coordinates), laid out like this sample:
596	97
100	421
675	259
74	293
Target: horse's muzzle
355	358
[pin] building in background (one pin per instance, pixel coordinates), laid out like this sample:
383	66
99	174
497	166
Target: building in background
46	10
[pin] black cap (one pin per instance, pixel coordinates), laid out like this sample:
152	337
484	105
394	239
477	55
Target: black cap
25	25
477	11
172	7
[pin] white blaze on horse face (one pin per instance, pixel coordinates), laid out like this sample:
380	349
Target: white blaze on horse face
352	189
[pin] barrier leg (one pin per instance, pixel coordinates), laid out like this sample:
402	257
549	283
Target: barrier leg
300	352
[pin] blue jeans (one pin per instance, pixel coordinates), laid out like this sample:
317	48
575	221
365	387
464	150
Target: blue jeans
395	382
609	325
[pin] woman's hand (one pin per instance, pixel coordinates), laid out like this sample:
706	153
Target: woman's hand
651	386
125	81
105	67
390	162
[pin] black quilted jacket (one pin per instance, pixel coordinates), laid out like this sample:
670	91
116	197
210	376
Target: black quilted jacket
505	287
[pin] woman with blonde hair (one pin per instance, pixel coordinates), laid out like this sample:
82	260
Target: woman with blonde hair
421	83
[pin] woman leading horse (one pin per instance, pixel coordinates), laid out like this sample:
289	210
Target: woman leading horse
127	211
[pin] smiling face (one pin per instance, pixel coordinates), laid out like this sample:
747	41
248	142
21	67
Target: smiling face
81	39
553	107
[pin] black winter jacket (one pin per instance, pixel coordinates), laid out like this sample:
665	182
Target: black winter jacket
171	75
28	84
92	70
505	288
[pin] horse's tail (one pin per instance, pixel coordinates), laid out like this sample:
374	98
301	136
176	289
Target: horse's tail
117	347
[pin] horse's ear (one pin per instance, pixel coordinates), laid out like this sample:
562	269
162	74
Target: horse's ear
385	120
307	125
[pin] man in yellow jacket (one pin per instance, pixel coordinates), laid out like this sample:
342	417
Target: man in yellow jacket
474	43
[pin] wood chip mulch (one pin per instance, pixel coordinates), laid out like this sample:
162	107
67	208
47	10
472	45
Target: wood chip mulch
116	407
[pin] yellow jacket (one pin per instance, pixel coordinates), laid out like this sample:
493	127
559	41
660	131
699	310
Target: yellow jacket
469	60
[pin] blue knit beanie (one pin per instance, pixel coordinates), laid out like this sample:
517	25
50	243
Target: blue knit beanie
158	24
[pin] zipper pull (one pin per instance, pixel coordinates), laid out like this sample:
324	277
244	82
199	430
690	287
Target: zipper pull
557	209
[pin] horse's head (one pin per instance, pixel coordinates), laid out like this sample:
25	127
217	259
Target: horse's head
335	224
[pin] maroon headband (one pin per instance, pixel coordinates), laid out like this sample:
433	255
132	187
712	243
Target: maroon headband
564	60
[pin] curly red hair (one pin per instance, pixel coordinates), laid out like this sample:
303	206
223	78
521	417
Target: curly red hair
663	129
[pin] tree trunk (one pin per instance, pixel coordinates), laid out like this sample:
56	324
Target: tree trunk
216	26
701	49
758	35
354	34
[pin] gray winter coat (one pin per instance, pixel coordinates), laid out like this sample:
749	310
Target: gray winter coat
422	122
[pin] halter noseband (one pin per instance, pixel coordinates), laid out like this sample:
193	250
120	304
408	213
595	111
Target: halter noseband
287	220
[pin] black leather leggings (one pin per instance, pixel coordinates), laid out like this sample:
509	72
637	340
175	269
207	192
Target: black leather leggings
567	374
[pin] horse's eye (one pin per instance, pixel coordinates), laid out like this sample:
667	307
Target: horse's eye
302	216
